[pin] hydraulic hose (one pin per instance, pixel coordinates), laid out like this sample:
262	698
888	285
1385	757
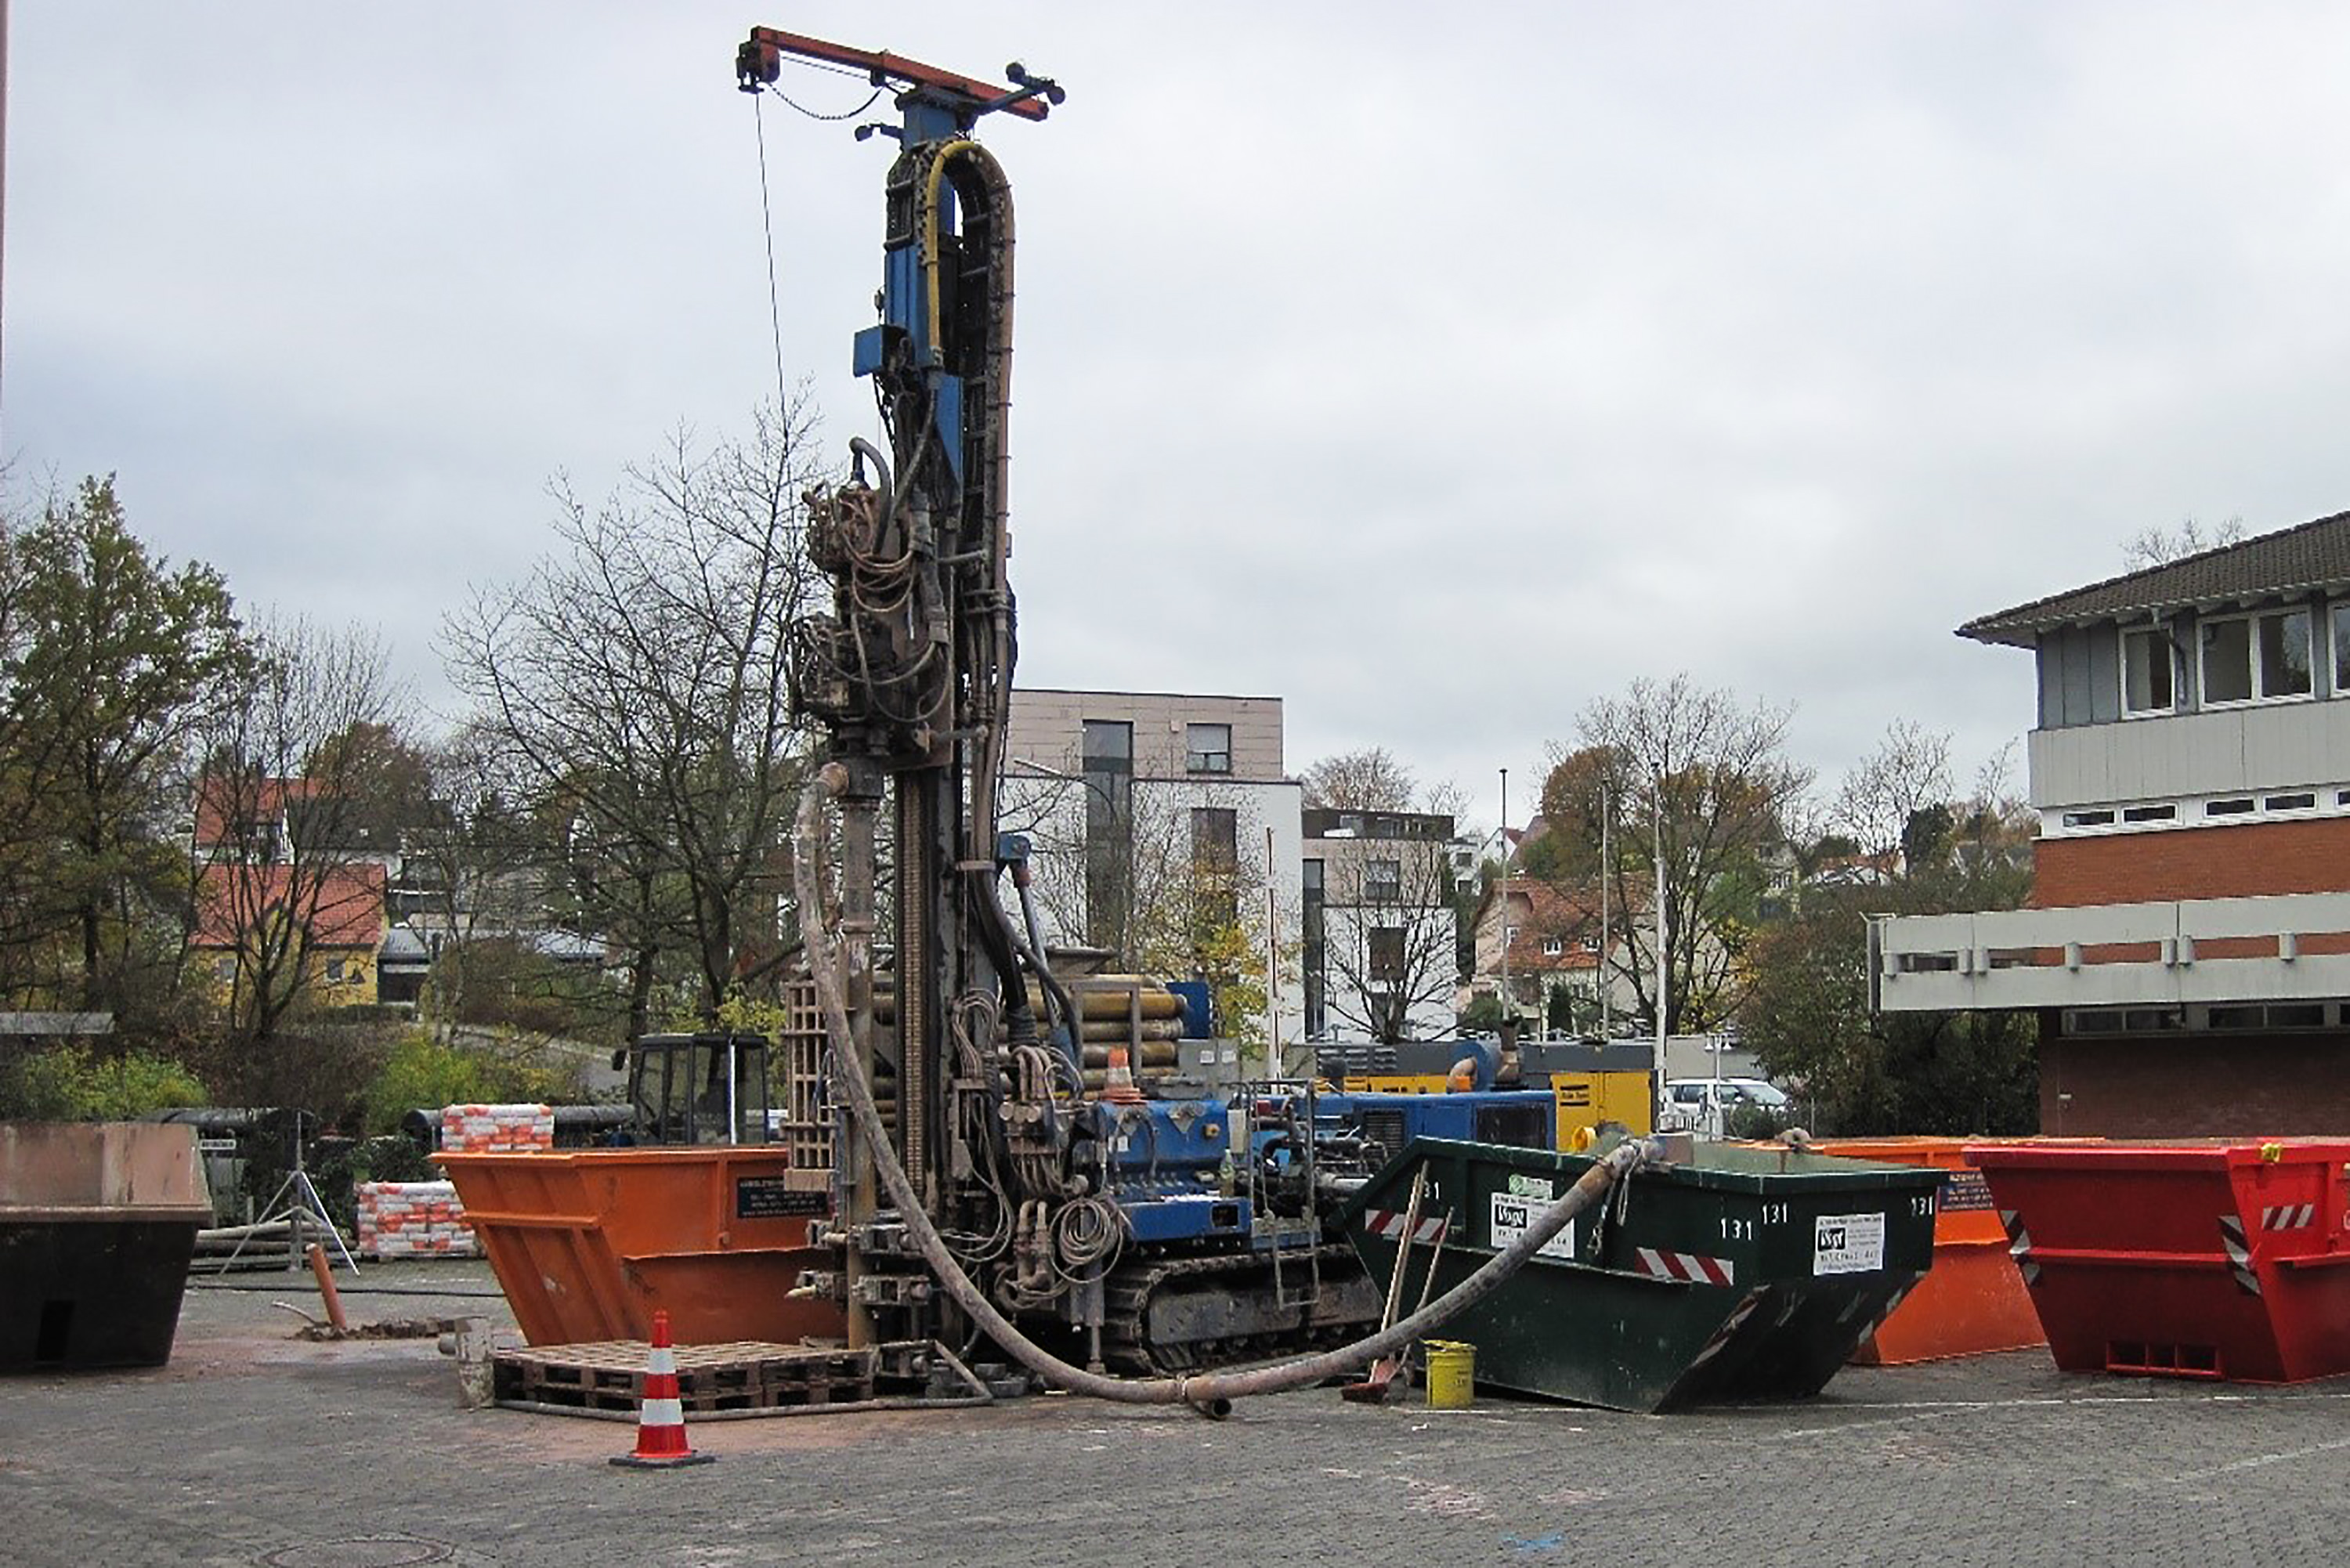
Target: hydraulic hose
1211	1393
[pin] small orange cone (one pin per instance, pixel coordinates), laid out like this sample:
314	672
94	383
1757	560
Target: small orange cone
1119	1088
661	1416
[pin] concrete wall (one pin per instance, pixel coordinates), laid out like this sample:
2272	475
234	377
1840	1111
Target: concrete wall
1048	729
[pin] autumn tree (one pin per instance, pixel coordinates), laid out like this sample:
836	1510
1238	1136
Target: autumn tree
639	680
1697	781
1806	1017
1167	880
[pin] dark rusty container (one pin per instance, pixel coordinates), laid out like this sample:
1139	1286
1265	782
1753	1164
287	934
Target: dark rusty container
1743	1274
97	1220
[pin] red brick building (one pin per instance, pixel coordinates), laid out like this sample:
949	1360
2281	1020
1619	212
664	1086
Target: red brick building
2187	945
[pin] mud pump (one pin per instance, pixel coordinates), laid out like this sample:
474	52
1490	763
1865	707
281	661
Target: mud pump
981	1191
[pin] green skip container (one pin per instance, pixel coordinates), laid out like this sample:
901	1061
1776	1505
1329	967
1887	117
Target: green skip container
1741	1273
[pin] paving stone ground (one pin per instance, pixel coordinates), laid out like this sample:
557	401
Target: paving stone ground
256	1447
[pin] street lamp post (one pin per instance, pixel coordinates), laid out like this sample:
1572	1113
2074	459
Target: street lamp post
1509	1003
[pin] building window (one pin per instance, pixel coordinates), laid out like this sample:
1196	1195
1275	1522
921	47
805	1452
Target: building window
1554	946
1316	946
1215	839
1110	842
2301	800
2235	808
1382	881
2145	671
1207	748
2151	813
2249	658
1387	952
2341	650
2088	819
1215	864
333	972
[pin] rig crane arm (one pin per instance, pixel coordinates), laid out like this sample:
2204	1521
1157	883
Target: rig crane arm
760	59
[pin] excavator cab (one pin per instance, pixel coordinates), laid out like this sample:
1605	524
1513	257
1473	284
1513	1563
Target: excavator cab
704	1088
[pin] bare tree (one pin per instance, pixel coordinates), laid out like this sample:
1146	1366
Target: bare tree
1880	803
641	679
285	864
1700	779
1391	940
2153	547
1370	779
1172	882
476	862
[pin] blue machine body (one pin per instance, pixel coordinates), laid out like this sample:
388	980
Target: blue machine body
1168	1165
1521	1118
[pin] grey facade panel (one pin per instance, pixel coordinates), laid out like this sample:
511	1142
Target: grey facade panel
2104	674
2284	745
2067	679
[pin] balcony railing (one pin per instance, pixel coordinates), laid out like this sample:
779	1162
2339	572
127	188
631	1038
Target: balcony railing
2201	951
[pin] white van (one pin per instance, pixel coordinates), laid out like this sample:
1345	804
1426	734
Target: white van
1702	1105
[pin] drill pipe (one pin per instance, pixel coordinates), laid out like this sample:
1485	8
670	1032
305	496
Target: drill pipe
1209	1393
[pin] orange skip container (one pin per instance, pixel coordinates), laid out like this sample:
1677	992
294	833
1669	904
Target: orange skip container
588	1244
1973	1300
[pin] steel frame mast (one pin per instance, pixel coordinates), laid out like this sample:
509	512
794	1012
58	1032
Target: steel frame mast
911	673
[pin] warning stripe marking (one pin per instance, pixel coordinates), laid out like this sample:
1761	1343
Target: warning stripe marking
2018	1245
2240	1256
1389	1224
2289	1217
1736	1321
1695	1269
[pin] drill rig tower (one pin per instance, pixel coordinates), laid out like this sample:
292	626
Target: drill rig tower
910	677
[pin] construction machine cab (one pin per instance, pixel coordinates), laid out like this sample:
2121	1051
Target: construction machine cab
706	1088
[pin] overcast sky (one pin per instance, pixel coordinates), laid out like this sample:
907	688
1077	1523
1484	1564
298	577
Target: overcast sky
1437	370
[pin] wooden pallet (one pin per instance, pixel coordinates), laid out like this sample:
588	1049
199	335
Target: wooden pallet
744	1378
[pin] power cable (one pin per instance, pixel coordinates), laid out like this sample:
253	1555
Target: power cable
767	223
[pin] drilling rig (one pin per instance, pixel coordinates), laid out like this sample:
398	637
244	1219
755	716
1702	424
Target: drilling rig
1131	1226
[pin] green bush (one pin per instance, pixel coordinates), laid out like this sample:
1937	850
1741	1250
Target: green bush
1755	1122
69	1083
423	1071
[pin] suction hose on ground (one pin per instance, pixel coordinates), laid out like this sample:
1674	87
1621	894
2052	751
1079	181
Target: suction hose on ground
1209	1392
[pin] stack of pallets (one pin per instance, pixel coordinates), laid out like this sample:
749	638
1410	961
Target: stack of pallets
747	1378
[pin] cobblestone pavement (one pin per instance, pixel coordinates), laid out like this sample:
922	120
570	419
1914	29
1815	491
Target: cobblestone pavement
255	1447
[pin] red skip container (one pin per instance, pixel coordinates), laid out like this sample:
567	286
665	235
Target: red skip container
2221	1260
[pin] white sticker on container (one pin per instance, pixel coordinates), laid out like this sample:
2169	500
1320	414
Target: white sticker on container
1847	1243
1513	1217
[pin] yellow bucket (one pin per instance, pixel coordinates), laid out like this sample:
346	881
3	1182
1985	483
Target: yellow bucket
1451	1373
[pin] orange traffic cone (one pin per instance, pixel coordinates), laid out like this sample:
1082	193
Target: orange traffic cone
660	1417
1119	1088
